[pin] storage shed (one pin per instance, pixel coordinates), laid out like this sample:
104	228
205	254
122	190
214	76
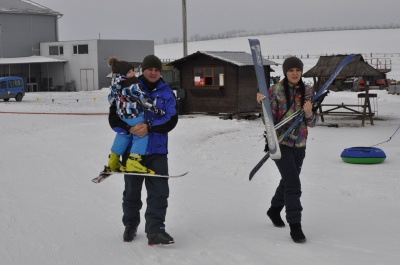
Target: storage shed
326	65
219	82
352	72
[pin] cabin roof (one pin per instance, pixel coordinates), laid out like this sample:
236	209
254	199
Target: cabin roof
326	65
233	57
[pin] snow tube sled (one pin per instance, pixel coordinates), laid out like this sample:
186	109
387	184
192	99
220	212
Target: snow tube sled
363	155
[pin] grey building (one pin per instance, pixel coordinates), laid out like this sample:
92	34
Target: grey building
23	26
30	48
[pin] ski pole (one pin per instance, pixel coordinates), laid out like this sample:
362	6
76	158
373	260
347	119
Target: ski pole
286	120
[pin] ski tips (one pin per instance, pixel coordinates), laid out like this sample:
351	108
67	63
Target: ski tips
251	41
348	59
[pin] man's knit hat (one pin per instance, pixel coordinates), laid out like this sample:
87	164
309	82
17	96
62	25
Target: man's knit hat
119	67
292	62
151	61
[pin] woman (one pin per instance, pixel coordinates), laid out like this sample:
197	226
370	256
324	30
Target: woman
287	97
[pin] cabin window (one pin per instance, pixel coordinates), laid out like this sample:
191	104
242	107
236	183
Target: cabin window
209	76
81	49
56	50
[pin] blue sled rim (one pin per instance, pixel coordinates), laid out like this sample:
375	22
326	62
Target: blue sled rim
363	155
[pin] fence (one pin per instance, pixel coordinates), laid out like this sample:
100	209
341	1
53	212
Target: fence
394	89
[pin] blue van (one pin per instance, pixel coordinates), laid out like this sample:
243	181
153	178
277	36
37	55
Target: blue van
11	87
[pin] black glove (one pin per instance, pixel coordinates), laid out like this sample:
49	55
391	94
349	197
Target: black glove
319	100
266	148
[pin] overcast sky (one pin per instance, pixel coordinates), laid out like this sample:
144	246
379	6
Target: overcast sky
162	19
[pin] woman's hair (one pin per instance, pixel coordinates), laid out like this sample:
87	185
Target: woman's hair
287	91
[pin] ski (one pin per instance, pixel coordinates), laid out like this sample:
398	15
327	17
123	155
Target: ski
104	175
315	100
259	165
273	145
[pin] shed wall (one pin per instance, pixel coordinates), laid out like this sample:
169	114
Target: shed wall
236	96
209	99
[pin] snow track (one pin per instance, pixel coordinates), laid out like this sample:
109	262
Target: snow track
52	214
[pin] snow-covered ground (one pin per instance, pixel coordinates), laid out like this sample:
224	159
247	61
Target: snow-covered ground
51	213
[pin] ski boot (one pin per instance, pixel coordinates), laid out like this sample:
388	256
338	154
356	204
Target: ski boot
133	165
113	163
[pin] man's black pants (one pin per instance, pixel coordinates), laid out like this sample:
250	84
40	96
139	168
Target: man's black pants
157	195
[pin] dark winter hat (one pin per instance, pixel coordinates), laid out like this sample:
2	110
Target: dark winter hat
151	61
292	62
119	67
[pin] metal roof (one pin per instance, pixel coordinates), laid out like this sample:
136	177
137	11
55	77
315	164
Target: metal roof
29	59
236	58
26	7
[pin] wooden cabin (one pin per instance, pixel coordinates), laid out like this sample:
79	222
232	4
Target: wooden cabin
358	68
219	82
353	72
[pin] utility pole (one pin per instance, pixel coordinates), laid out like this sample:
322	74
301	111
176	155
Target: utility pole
1	48
184	28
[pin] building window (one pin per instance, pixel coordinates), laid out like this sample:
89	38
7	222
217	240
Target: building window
209	76
56	50
81	49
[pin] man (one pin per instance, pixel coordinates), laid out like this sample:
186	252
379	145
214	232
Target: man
156	127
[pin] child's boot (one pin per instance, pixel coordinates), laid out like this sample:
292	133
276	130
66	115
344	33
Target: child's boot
133	165
113	162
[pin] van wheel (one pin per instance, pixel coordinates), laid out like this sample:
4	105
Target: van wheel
6	99
18	97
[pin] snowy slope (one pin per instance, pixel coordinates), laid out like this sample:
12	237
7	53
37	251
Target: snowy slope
376	43
51	213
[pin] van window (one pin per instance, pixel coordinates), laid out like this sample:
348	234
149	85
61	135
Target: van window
3	84
14	83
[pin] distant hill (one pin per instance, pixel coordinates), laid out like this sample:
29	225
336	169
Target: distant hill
371	43
244	33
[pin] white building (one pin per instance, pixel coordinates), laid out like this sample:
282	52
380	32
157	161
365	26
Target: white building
86	66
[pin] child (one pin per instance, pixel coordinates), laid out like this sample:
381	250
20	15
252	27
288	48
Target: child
131	103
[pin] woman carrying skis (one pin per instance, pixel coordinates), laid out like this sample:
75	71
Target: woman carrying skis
287	97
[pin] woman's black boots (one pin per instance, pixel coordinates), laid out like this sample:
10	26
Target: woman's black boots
297	233
274	213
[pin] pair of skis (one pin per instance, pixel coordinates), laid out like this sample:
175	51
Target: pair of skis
105	174
273	142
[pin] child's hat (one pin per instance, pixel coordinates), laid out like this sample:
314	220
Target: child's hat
119	67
